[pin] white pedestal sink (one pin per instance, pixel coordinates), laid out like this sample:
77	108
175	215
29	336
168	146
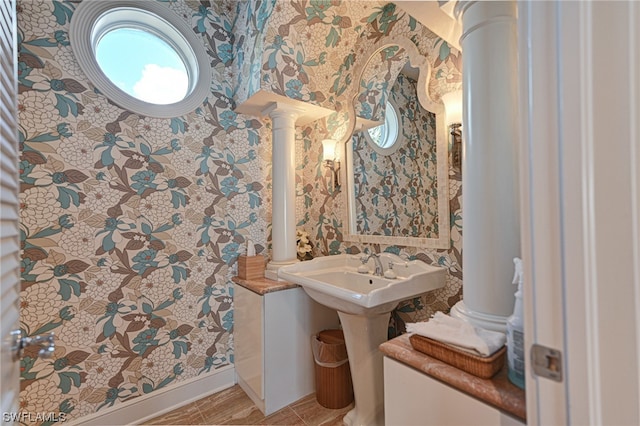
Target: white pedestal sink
364	303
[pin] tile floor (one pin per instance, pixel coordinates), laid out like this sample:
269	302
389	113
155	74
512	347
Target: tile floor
233	407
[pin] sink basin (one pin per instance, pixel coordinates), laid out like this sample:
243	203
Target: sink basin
334	281
364	303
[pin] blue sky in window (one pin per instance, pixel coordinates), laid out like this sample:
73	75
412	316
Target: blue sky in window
143	65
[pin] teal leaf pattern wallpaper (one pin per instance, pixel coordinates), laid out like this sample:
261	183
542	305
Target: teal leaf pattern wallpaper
313	50
131	225
396	194
378	78
300	26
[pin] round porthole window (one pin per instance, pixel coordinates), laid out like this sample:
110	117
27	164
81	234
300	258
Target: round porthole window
141	55
385	137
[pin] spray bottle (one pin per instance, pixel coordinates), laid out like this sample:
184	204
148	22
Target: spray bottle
515	332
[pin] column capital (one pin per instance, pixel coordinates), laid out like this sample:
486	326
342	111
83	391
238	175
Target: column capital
263	103
479	14
461	7
277	110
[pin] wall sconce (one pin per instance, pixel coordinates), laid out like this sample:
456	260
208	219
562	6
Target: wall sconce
331	160
453	107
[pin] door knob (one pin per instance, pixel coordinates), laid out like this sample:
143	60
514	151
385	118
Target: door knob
45	341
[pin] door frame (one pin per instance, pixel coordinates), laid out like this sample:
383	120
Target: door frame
580	164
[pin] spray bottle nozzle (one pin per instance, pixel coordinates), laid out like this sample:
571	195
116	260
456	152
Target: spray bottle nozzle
518	276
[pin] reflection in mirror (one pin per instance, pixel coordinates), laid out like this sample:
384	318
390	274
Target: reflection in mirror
455	150
385	135
393	192
396	192
376	80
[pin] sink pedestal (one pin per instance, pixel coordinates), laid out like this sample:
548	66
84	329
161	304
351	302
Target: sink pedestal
363	335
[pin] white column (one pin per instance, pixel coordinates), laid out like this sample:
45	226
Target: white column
491	232
283	172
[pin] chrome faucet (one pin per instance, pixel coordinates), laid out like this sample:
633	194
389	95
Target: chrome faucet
376	259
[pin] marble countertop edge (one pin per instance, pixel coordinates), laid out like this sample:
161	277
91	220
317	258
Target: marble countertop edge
497	391
263	285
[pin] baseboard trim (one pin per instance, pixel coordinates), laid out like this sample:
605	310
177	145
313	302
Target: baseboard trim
252	395
155	404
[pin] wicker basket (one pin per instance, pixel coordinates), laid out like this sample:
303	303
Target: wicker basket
484	367
334	388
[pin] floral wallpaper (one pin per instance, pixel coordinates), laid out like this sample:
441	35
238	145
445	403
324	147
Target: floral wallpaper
314	49
378	77
251	20
131	225
312	52
396	194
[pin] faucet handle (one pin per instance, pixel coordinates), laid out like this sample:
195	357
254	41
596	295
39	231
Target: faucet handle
363	269
390	273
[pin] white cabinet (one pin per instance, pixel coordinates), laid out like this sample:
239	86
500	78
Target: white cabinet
272	344
413	398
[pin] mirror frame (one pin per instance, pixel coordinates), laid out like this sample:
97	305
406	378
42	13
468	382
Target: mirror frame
416	60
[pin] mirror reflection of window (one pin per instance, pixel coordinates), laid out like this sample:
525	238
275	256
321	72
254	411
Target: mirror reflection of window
398	195
395	168
386	134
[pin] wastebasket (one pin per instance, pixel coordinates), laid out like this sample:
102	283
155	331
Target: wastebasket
333	376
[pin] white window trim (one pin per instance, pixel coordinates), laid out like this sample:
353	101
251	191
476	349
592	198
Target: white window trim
87	25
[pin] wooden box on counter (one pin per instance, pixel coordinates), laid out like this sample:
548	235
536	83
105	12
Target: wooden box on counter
251	267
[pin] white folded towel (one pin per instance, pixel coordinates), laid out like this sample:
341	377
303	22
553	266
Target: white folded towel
459	333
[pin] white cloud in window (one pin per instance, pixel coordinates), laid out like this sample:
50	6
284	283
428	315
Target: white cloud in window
161	85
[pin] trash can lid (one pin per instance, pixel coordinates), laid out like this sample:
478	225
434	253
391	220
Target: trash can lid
331	337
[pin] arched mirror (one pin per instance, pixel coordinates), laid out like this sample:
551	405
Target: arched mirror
396	165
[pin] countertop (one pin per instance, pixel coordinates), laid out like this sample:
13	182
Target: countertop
263	285
497	391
